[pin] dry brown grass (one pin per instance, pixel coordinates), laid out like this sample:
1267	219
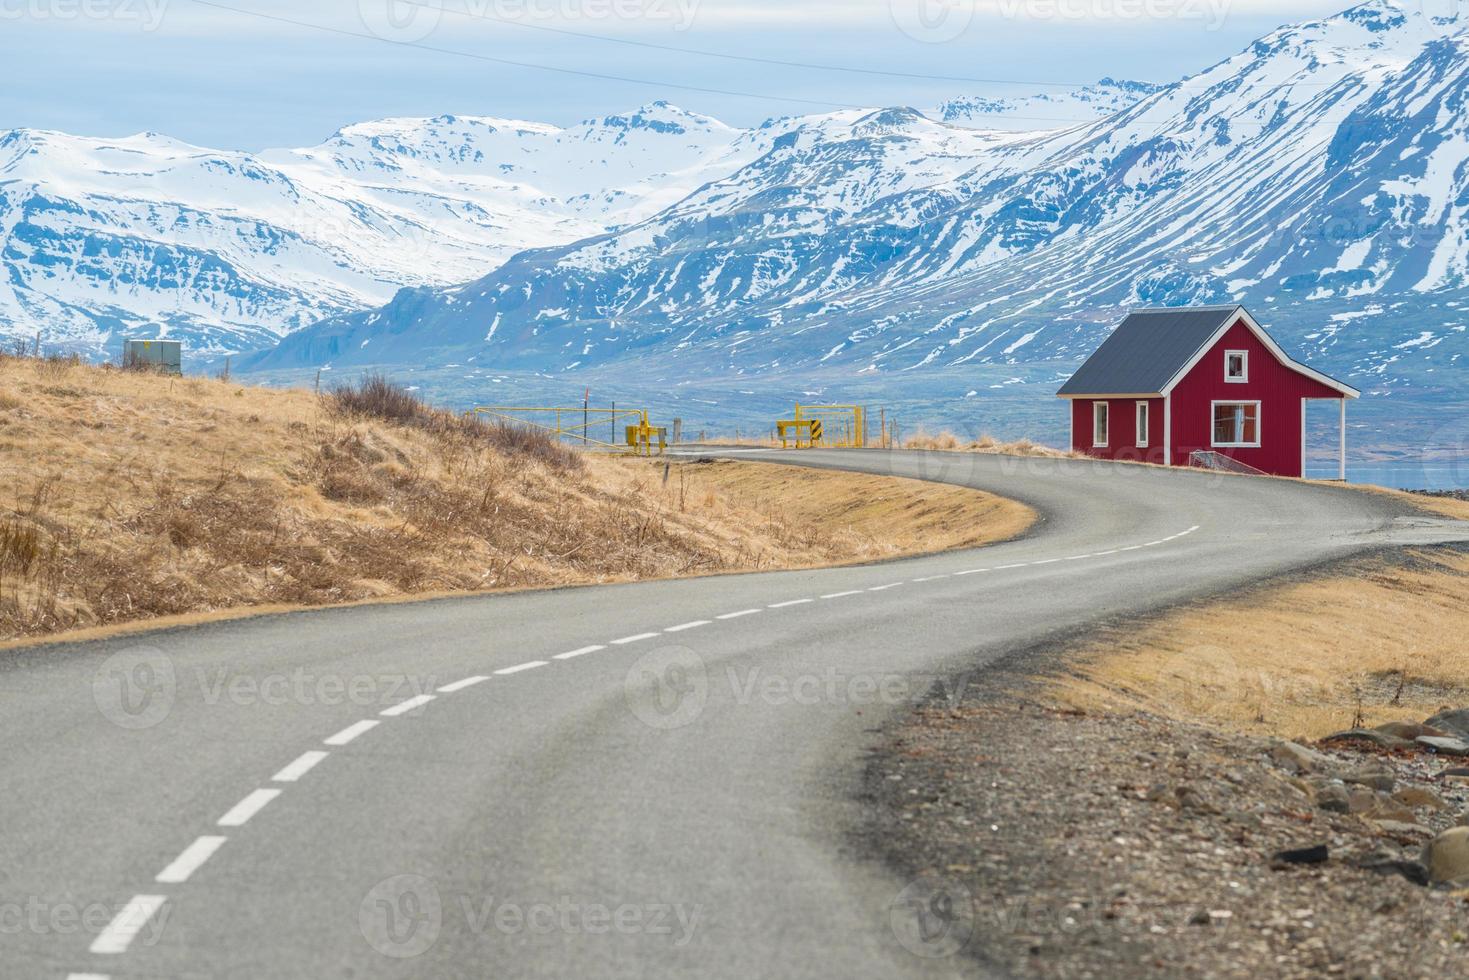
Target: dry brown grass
789	516
1440	506
948	442
129	496
1383	643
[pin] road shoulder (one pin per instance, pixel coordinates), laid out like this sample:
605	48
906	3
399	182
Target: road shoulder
1071	813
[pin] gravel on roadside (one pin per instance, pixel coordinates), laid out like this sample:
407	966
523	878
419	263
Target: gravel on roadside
1051	843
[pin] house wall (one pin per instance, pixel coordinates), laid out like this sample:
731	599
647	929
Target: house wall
1278	389
1122	439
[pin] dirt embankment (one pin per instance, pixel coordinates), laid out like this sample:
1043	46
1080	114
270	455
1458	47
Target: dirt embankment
129	497
1238	789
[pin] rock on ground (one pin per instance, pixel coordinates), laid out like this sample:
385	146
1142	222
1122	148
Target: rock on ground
1055	844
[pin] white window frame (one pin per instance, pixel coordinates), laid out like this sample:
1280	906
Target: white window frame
1244	357
1142	425
1101	422
1259	425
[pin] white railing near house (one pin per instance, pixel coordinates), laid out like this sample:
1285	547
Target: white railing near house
1207	460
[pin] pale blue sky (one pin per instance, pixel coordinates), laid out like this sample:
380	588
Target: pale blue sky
227	79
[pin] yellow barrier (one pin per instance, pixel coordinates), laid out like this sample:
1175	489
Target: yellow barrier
807	433
640	438
844	425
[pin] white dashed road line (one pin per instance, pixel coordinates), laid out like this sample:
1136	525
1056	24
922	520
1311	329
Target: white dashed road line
521	667
352	731
136	914
636	638
403	707
301	766
241	812
573	654
126	925
688	626
461	685
190	860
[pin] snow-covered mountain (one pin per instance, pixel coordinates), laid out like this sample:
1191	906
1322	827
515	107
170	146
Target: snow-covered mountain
148	236
1046	110
1321	176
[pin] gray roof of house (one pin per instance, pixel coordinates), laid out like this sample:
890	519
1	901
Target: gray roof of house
1147	350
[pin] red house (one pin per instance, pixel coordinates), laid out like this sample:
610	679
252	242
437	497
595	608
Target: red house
1198	386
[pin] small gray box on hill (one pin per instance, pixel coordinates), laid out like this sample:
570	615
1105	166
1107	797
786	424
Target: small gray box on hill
163	356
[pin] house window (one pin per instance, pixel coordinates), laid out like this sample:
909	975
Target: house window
1142	425
1236	424
1099	424
1237	366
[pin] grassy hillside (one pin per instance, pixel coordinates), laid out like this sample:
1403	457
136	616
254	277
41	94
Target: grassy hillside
127	497
1377	640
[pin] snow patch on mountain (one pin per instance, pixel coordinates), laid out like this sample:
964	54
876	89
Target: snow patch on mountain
1315	173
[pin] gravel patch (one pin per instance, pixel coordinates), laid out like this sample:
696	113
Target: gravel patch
1047	843
1443	494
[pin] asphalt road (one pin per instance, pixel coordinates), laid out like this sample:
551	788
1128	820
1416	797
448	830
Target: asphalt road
674	802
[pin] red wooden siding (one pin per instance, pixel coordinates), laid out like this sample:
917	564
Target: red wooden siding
1277	388
1122	437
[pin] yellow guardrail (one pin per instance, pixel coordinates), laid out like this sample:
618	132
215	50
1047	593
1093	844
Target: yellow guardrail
831	426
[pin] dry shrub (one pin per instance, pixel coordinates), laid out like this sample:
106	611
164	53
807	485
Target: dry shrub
20	547
375	397
949	442
57	365
378	398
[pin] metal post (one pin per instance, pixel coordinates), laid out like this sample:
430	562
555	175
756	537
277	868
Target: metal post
614	423
1342	463
586	415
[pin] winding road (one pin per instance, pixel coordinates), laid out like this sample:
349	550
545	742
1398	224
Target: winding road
651	780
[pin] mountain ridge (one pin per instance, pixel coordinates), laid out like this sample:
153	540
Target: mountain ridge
146	235
1316	176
